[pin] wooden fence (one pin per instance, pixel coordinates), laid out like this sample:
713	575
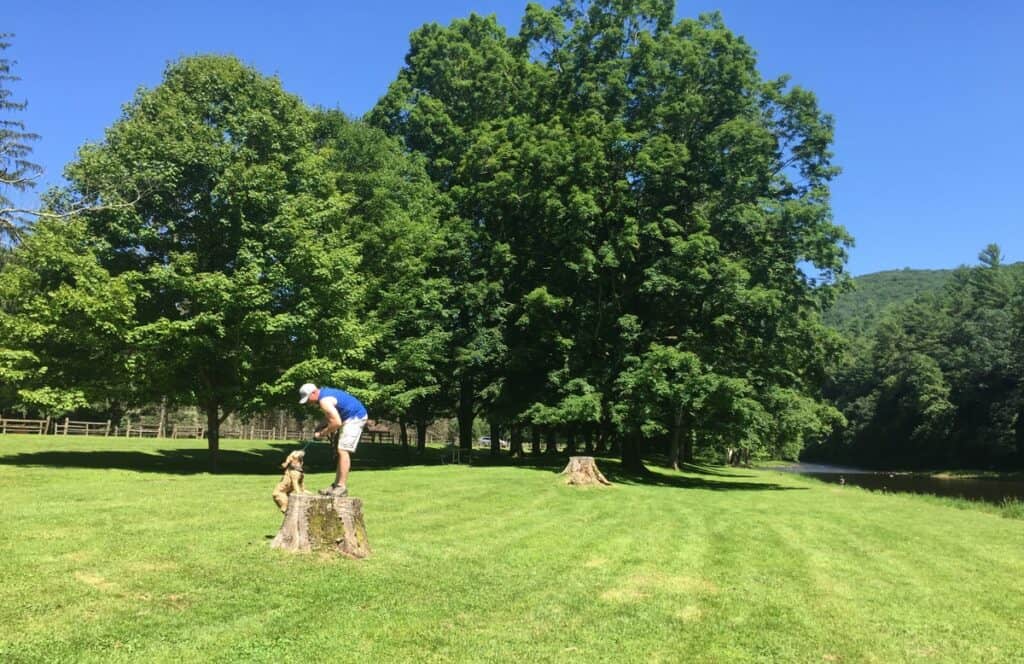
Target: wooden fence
81	428
131	429
11	425
376	436
187	431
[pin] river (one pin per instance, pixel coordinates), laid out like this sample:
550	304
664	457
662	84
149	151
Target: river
991	490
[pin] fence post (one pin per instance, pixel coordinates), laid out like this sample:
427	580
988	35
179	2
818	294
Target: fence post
128	428
46	428
107	432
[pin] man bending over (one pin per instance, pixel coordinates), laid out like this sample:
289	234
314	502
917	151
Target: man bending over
343	411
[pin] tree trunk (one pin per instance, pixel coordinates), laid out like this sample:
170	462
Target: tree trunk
495	438
602	437
323	523
673	449
516	440
582	471
1019	435
163	417
403	434
213	434
465	414
570	443
552	436
688	446
630	455
421	436
588	441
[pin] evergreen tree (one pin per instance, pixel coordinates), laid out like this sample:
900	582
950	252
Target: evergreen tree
16	171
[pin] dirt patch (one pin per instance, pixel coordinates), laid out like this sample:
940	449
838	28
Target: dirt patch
640	586
624	595
690	614
97	581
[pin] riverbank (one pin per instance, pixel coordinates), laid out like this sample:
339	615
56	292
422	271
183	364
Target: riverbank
1002	491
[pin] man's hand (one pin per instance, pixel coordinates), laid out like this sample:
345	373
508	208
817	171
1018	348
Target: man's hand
319	431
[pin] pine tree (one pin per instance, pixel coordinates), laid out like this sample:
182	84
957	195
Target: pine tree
16	171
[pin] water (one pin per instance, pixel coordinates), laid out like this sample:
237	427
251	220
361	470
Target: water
989	490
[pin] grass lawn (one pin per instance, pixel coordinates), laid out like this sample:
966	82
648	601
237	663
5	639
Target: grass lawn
118	550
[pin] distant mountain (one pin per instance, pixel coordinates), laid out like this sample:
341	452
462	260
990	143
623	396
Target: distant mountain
857	310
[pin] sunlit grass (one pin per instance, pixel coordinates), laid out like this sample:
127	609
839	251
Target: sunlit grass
119	550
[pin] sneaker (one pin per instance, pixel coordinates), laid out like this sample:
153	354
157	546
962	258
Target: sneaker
335	490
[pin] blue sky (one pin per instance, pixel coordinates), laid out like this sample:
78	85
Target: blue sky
927	96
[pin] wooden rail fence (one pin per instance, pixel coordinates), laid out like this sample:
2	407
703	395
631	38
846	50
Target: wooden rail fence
71	427
11	425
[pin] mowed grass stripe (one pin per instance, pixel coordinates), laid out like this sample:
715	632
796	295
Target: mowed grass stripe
157	560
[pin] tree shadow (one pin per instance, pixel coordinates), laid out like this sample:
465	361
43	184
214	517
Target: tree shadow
616	474
612	469
320	458
255	461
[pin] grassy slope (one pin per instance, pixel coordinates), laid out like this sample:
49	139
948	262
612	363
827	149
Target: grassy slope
115	551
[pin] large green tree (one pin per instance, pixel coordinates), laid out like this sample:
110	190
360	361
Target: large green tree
64	321
650	193
236	233
456	82
395	225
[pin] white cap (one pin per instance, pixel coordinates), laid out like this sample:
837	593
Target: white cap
305	391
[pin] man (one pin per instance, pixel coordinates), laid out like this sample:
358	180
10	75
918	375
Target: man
343	411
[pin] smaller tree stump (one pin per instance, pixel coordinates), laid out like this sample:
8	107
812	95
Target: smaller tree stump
582	471
323	523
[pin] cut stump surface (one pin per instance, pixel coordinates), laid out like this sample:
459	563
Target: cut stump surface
582	471
323	523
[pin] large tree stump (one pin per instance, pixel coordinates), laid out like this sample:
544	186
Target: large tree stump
582	471
323	523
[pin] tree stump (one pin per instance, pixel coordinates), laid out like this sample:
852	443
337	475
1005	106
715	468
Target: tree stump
582	471
323	523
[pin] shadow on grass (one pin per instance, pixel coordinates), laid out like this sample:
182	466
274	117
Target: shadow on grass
266	460
612	469
190	461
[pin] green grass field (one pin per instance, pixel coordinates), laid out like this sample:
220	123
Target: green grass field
118	550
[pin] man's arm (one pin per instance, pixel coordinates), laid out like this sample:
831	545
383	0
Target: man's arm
329	406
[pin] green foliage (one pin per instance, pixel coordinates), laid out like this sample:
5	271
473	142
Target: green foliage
939	380
627	185
233	232
858	309
247	243
610	223
64	321
16	171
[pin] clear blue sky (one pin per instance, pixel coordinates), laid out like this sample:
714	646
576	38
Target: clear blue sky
927	95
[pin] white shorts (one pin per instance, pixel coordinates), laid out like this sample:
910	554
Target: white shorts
351	430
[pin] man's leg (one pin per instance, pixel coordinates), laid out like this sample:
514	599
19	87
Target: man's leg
344	464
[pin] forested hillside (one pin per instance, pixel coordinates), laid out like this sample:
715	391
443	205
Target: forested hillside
933	370
857	310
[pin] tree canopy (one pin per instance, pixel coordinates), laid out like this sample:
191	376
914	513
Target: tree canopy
608	225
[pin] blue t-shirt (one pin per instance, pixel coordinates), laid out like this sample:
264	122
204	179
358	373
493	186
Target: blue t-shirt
348	406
